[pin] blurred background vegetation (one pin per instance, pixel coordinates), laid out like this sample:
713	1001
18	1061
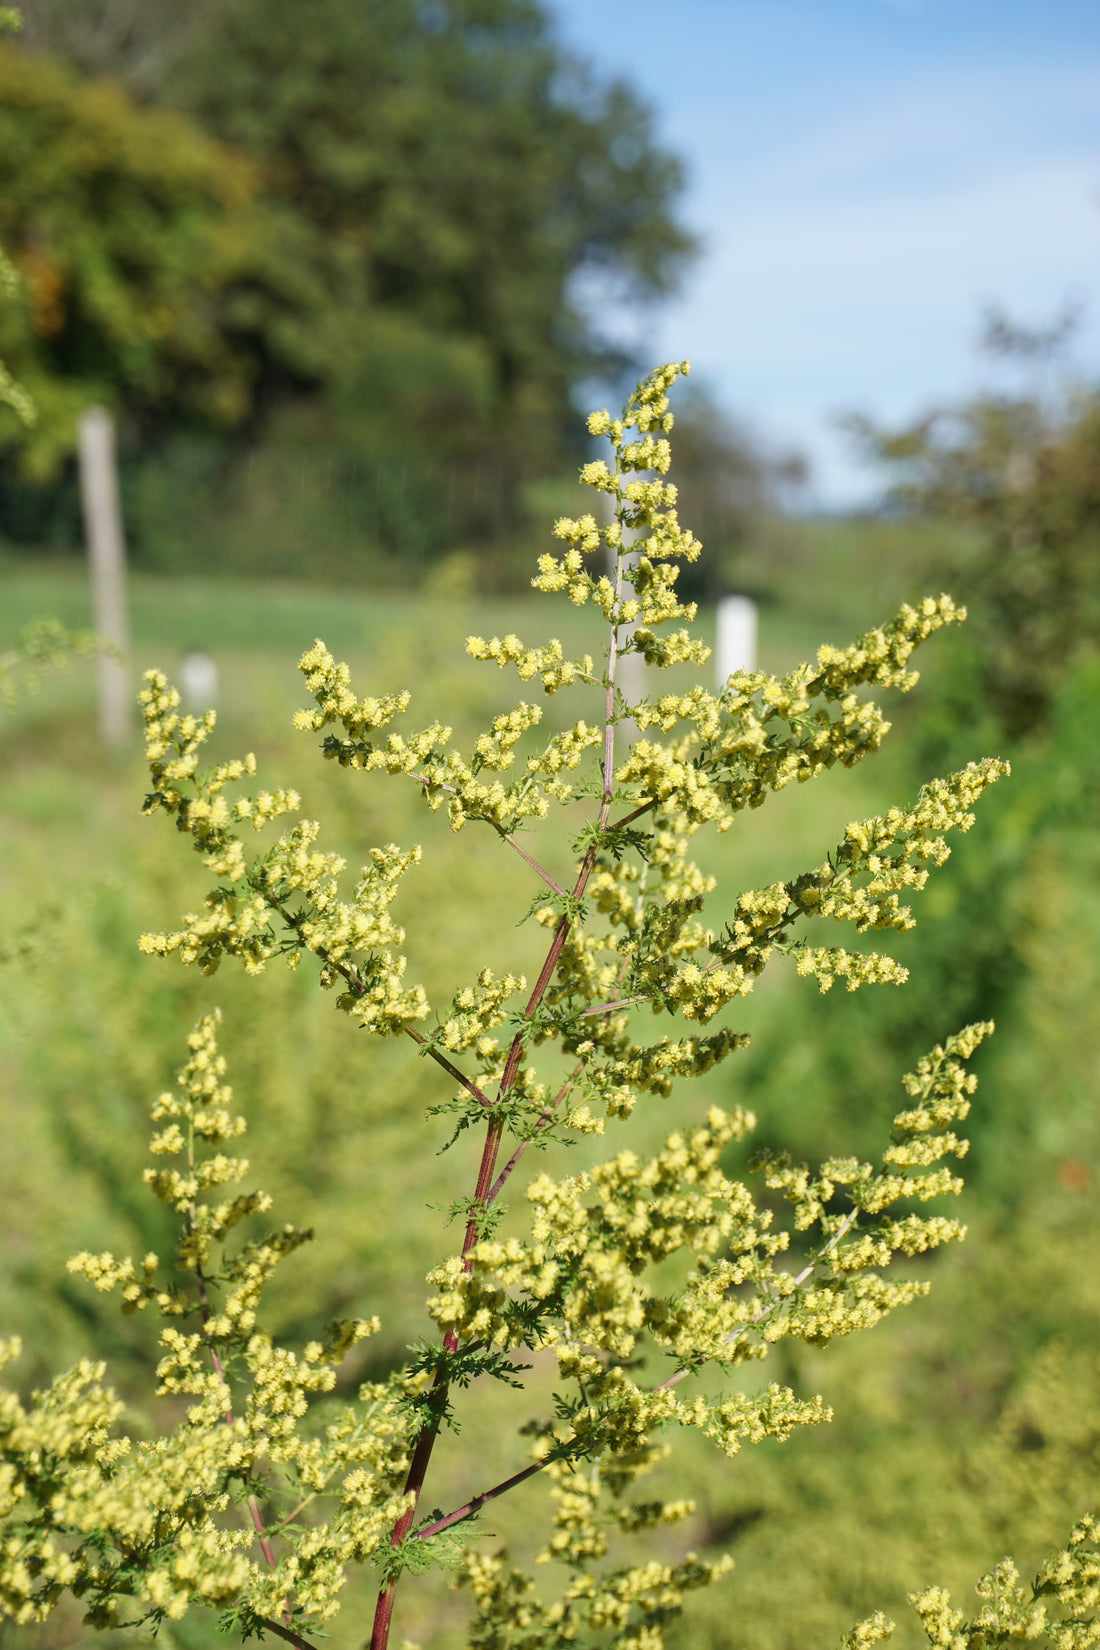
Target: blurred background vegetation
326	278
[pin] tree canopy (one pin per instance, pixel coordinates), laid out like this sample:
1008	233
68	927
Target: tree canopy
127	228
1023	471
448	171
359	230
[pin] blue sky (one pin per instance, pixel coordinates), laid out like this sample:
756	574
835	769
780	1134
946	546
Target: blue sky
866	176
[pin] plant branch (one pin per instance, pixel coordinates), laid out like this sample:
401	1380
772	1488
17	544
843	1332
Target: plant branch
498	1184
479	1501
532	862
474	1505
636	813
219	1370
286	1633
289	1517
453	1071
423	779
766	1311
561	932
620	1002
354	979
425	1443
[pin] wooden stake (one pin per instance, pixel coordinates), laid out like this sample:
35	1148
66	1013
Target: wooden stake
107	560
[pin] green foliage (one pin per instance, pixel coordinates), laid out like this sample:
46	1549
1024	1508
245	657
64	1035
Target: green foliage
128	40
658	1261
1023	474
12	393
43	645
340	293
127	228
447	172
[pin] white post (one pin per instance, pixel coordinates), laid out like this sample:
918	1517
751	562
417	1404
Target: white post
198	681
107	560
735	644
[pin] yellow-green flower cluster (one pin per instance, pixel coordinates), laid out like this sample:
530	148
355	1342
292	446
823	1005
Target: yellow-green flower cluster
475	1010
583	1272
669	776
132	1527
329	682
548	661
763	732
643	594
112	1521
593	1238
655	1068
447	778
826	963
202	1108
249	914
1061	1608
563	754
636	1602
567	572
860	884
872	1630
152	1527
105	1273
633	1602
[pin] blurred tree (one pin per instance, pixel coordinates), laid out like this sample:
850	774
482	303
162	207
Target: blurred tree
134	41
12	394
1024	470
128	228
449	171
434	183
730	489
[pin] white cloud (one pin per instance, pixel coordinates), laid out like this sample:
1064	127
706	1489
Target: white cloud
859	212
956	126
850	267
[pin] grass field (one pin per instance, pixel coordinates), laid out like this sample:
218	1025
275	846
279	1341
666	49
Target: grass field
256	633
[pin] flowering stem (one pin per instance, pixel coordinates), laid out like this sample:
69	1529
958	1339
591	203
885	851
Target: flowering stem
423	779
766	1311
453	1071
620	1002
282	1632
479	1501
498	1184
219	1370
532	862
635	813
354	980
425	1443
